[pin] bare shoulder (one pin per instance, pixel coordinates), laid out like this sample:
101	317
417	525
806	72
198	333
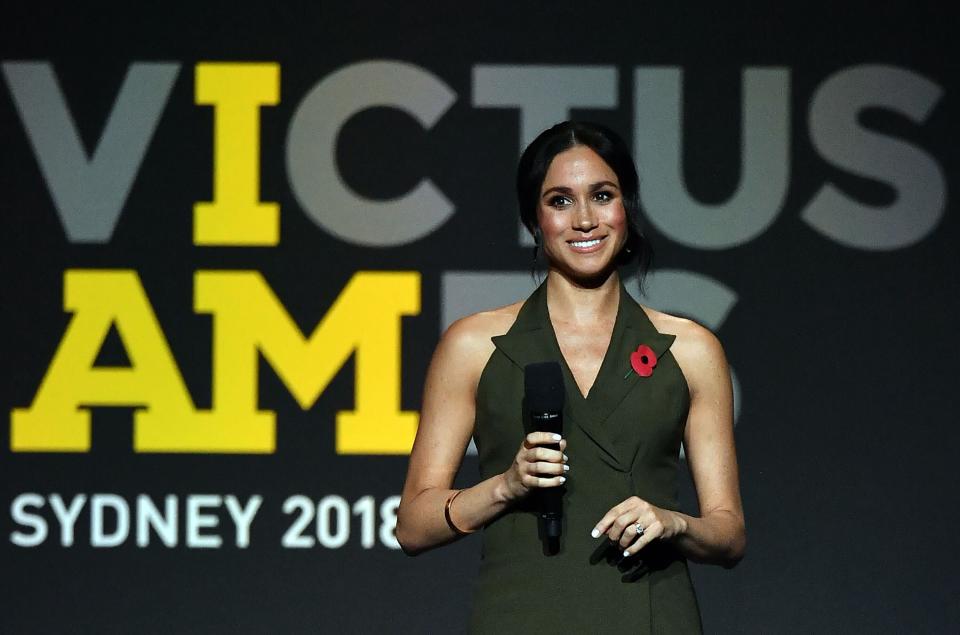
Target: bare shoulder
478	328
697	350
468	340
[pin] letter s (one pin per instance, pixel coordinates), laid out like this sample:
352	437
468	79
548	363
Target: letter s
914	175
20	515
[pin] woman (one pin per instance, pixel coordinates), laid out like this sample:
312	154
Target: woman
638	381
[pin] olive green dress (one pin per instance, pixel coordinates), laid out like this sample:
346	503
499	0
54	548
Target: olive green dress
623	440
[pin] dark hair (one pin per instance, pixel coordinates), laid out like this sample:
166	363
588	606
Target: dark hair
536	159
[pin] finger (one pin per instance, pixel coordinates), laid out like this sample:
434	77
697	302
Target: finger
544	454
529	480
551	469
618	528
605	522
540	438
654	531
630	532
608	518
620	524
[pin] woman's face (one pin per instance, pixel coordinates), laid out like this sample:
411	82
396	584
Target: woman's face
581	215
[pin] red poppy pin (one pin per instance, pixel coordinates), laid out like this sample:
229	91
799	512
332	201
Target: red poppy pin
643	360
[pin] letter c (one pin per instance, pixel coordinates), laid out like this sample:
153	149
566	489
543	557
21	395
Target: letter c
311	153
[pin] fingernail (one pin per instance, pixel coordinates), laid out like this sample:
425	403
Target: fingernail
626	553
566	467
563	479
557	437
565	457
595	533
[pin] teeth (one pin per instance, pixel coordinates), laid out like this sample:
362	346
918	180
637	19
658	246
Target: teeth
585	243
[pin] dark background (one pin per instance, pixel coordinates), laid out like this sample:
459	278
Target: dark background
845	357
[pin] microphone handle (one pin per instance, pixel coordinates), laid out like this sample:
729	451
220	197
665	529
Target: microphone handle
551	499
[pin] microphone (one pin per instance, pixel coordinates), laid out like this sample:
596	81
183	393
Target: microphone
543	395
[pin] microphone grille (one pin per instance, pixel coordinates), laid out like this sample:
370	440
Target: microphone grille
543	387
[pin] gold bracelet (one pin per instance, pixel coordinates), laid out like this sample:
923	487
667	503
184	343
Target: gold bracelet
446	514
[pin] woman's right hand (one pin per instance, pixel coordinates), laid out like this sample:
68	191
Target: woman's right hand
536	465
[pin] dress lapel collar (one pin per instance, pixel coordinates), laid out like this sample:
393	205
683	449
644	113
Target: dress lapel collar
526	342
617	377
532	339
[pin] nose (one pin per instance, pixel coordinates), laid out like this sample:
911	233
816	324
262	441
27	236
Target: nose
584	219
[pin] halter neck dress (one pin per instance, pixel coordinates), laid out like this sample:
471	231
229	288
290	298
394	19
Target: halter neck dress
623	439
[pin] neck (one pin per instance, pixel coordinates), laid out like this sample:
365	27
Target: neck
574	301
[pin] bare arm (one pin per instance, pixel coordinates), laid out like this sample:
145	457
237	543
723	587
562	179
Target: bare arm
446	423
718	535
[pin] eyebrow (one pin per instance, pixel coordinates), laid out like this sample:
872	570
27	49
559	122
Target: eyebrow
593	188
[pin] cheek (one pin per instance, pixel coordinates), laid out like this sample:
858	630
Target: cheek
550	223
616	220
616	217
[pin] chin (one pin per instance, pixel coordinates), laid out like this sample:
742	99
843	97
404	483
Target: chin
584	269
587	277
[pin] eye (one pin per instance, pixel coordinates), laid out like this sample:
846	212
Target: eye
603	196
559	201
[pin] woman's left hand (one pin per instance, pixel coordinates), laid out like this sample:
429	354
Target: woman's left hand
620	524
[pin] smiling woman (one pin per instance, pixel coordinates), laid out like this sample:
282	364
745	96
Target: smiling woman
581	214
544	183
638	382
